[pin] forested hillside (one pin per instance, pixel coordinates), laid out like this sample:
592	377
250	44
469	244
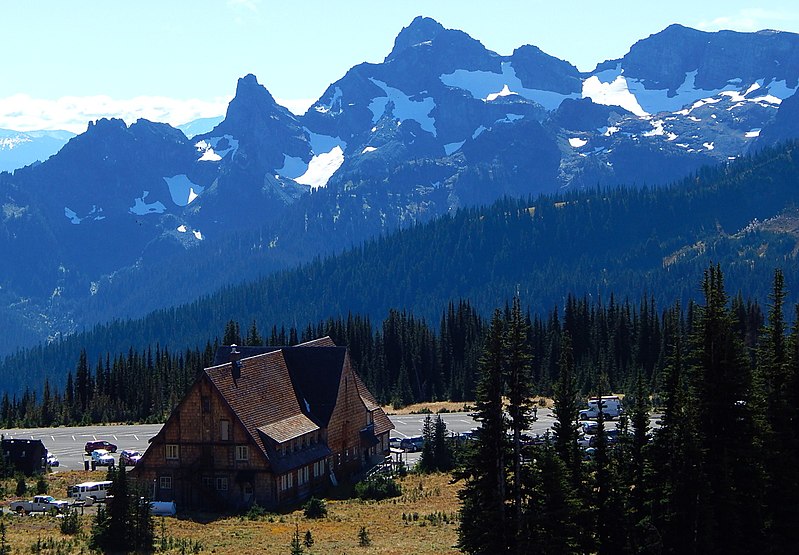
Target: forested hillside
717	474
632	243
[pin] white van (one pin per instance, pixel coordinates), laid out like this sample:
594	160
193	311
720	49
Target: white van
89	492
611	408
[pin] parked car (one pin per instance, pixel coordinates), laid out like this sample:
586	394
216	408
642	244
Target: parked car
101	457
412	444
611	436
100	444
52	460
590	427
40	503
129	457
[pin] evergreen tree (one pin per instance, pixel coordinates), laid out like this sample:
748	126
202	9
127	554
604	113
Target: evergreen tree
730	519
125	524
483	524
232	334
566	410
552	510
774	401
254	338
518	376
427	462
442	449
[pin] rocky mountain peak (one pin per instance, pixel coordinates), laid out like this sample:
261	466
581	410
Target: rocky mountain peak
421	29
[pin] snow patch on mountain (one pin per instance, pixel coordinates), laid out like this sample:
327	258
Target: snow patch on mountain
489	86
95	214
368	149
293	167
208	153
182	189
324	143
504	92
326	108
610	88
449	148
577	142
72	216
9	143
216	148
142	208
404	108
321	168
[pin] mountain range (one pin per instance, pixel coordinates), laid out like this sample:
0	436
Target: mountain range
125	219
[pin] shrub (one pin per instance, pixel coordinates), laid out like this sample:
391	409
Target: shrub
378	487
315	508
41	485
70	524
22	487
255	512
363	537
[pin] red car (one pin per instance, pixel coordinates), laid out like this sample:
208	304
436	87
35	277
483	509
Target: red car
100	444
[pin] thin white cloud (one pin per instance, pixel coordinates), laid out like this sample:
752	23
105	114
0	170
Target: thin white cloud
72	113
750	19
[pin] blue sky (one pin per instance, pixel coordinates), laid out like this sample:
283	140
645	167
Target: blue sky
65	63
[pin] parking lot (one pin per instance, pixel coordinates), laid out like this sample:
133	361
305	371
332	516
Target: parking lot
67	443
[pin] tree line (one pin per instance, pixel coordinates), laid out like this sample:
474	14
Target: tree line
716	476
404	360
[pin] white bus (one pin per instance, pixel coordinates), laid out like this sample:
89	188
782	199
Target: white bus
89	492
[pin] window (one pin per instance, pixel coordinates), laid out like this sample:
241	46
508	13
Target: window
165	482
206	403
302	475
286	481
221	483
208	482
247	489
242	453
224	430
172	451
318	468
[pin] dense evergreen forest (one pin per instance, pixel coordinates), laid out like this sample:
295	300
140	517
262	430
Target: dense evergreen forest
404	360
579	247
718	475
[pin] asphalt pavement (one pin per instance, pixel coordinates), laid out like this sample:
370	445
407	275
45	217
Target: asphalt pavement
67	443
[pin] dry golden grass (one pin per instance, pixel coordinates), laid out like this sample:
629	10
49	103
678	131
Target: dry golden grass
433	406
429	503
449	406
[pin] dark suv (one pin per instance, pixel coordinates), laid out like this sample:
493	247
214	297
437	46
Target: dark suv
100	444
129	457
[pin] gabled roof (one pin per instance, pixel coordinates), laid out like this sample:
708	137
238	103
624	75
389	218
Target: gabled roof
314	368
316	374
285	392
381	421
261	394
